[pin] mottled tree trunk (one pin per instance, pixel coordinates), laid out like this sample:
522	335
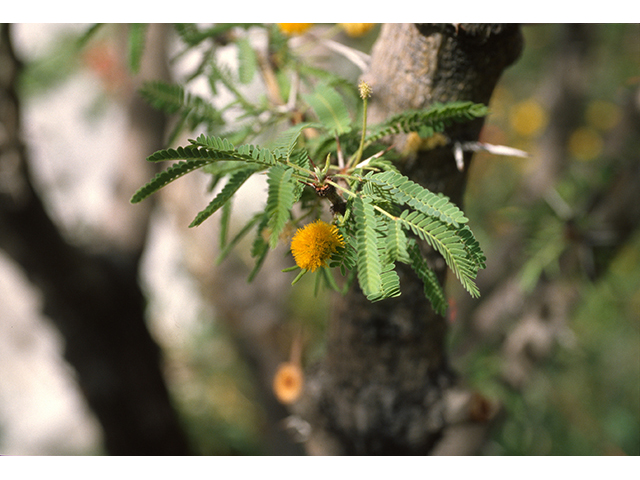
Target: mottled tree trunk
380	388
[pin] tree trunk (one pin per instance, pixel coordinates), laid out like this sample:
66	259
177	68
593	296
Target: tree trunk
380	390
94	300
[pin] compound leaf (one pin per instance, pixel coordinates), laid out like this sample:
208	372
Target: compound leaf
167	176
330	109
280	199
368	257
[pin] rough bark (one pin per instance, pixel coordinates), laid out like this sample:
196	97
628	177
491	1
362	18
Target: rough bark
93	299
380	390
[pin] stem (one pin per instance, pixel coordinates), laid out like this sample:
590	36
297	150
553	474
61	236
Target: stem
349	192
355	160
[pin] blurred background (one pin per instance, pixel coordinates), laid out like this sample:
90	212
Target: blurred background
554	340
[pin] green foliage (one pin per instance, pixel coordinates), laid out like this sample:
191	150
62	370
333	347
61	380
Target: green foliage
380	213
137	32
367	240
432	288
248	63
236	180
280	200
407	192
328	106
192	110
427	122
167	176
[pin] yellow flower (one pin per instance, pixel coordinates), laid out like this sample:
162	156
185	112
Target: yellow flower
528	118
356	29
314	244
365	89
585	143
294	28
288	382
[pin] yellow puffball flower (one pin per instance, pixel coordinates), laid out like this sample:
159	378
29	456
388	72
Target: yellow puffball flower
294	28
356	29
314	244
528	118
288	382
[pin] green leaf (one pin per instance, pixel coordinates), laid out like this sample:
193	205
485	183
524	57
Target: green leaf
167	176
345	258
247	153
192	35
408	192
472	247
330	109
247	62
432	288
368	256
280	199
428	121
286	141
239	236
167	97
224	224
260	247
213	143
90	33
231	187
389	284
137	32
193	110
446	240
396	242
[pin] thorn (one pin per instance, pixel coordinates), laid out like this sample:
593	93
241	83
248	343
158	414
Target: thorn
493	149
458	155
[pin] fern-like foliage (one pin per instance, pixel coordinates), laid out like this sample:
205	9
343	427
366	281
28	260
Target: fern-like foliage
408	192
164	178
389	284
368	254
191	110
444	239
203	151
383	217
137	40
396	242
231	187
426	122
280	200
330	109
247	61
260	246
432	288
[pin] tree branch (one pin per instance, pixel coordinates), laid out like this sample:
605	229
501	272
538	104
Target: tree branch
94	300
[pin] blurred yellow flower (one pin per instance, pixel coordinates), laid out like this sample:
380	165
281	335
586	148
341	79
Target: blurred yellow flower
294	28
415	143
288	382
585	143
314	244
356	29
528	117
